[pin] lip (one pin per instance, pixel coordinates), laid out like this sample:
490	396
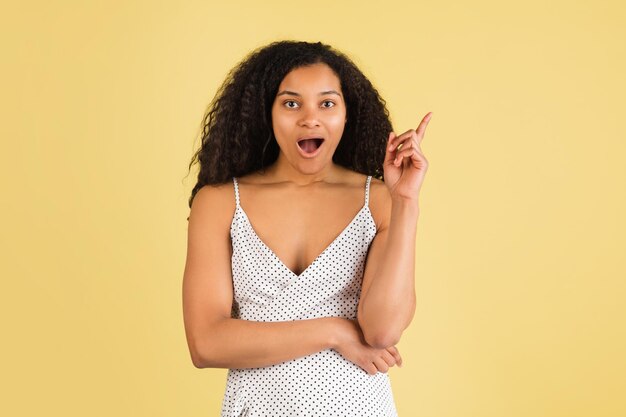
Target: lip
310	155
311	137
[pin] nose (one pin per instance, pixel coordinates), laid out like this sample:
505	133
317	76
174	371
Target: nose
309	117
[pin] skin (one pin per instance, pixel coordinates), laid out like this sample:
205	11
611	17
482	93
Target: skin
312	112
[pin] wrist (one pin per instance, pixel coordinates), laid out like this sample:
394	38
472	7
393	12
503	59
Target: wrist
334	332
405	203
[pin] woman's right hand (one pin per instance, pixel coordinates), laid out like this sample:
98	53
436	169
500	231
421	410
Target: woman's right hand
352	346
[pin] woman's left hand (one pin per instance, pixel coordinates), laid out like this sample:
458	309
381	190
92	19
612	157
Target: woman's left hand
404	169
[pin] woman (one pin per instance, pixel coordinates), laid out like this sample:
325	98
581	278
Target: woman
299	297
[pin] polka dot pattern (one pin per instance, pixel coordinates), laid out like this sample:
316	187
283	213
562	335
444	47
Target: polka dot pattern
265	289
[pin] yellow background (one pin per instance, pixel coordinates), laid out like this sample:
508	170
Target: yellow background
520	253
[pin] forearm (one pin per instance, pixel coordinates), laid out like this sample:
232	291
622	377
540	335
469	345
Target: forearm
389	304
235	343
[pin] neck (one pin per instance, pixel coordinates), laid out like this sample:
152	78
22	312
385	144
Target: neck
308	173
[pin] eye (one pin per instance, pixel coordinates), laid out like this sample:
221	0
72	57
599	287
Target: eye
292	101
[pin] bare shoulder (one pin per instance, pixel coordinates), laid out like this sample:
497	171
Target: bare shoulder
214	204
380	203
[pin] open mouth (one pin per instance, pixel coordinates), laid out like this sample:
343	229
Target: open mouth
310	146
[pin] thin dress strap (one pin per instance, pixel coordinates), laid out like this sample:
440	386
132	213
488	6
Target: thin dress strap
236	191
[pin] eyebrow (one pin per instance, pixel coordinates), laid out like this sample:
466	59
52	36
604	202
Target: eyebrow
293	93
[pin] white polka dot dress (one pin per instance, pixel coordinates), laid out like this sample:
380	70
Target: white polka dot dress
323	383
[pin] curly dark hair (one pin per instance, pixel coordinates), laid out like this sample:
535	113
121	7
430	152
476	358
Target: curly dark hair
237	133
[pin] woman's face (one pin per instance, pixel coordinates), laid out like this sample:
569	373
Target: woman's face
309	104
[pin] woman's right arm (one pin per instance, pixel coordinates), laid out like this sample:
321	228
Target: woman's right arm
215	339
251	344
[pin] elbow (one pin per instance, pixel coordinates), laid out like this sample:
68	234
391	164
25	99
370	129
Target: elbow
382	341
198	361
199	357
377	338
205	351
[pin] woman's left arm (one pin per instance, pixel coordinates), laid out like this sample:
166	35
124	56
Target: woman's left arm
388	301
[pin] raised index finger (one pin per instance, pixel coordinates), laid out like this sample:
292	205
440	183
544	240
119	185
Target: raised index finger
422	126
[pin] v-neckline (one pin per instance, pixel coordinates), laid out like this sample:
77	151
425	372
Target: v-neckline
305	270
